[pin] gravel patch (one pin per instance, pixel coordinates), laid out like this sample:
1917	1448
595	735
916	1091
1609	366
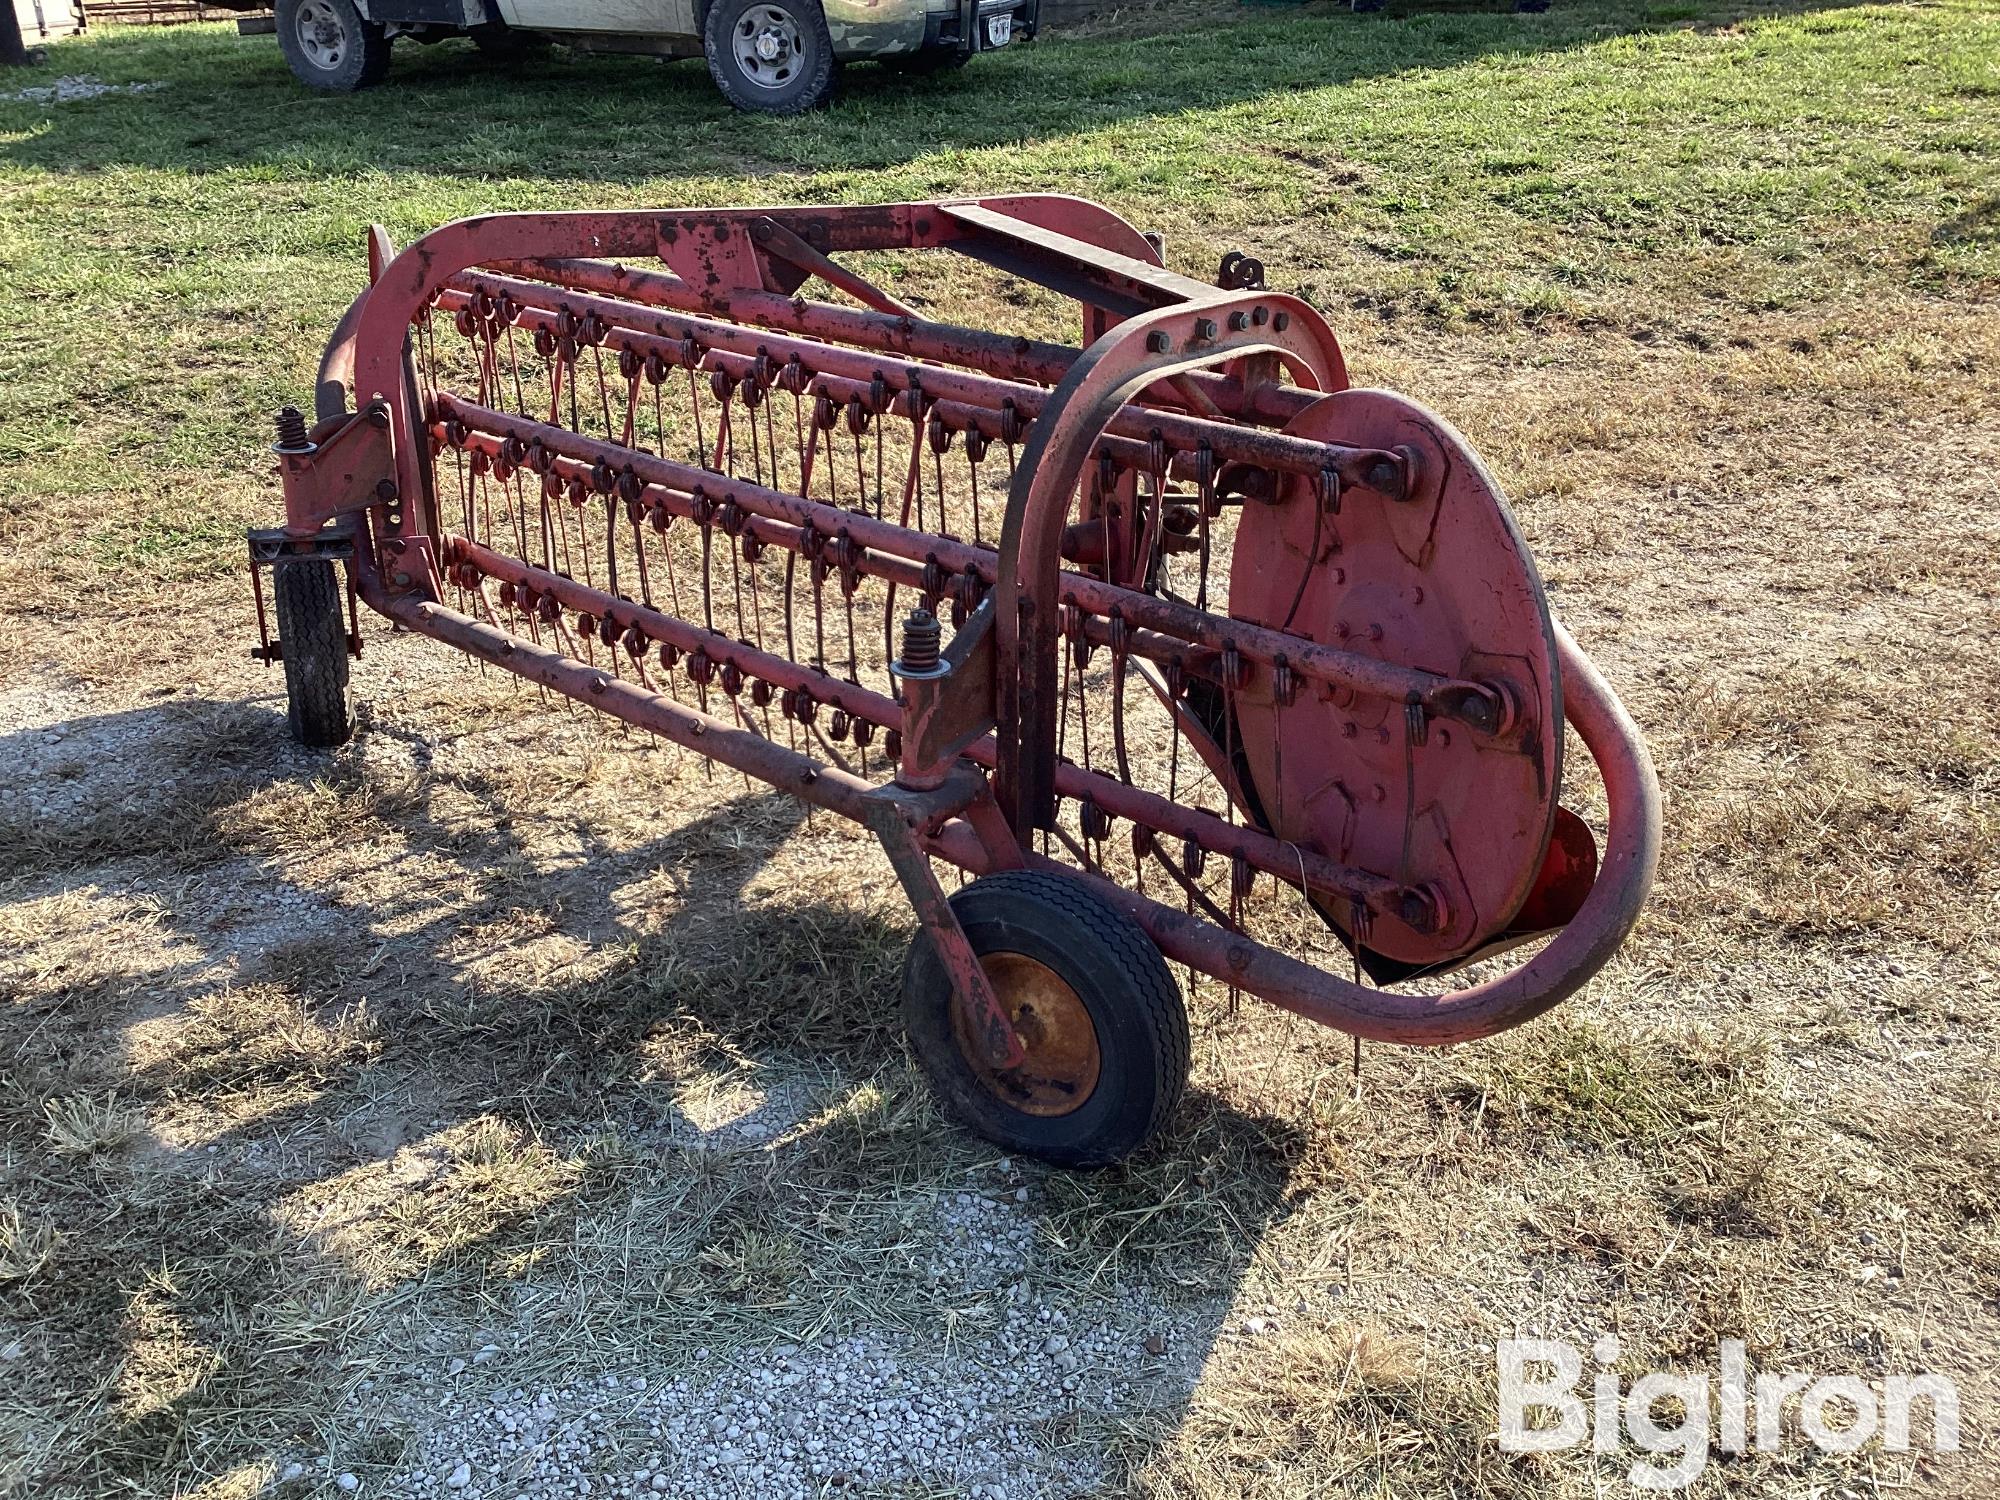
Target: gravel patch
72	88
984	1417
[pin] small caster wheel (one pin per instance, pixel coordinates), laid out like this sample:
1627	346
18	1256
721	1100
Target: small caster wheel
1097	1011
313	637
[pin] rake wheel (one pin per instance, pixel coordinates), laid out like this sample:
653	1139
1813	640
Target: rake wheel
1098	1014
313	638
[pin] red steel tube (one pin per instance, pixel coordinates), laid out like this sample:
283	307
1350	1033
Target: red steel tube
1559	970
1365	674
1251	445
1262	852
1576	953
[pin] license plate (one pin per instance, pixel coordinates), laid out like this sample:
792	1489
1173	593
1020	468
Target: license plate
999	30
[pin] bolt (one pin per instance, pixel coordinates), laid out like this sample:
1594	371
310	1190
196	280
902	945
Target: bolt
1415	910
292	429
1282	321
1238	321
1157	342
402	580
378	414
921	638
385	491
1386	476
1260	316
1204	329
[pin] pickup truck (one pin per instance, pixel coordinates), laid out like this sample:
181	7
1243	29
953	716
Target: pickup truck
770	56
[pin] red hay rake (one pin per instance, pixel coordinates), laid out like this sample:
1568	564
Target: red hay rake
1249	669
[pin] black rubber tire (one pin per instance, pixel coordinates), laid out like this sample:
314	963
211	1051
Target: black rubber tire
313	637
363	63
811	85
1134	1005
927	63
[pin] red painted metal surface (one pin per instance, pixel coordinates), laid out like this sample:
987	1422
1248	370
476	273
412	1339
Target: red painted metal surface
1440	577
1260	658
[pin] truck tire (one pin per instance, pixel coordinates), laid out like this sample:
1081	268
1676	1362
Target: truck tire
330	46
771	57
313	639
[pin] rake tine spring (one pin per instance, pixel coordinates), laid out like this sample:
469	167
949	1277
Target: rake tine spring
975	451
753	551
551	488
704	512
568	347
748	392
912	491
464	487
731	524
694	406
518	511
771	440
1205	495
725	435
603	393
625	357
1118	664
850	583
662	520
514	367
857	422
1232	678
940	438
913	479
805	455
483	473
579	496
633	510
1156	530
818	571
611	546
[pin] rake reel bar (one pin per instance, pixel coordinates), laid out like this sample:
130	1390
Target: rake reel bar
1254	665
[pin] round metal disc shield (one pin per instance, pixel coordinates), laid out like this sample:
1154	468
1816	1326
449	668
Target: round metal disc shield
1438	580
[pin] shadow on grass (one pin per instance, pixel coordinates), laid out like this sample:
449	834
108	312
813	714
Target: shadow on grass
223	103
385	1096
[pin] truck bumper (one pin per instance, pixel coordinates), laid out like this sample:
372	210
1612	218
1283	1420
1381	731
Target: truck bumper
961	24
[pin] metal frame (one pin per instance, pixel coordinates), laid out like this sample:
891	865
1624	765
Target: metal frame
1176	372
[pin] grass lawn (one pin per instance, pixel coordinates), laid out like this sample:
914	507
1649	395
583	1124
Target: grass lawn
495	1042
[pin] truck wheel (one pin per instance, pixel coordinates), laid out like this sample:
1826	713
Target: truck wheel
1097	1012
770	57
330	46
313	637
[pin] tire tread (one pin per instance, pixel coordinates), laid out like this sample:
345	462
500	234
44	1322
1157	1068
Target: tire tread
1121	945
313	638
